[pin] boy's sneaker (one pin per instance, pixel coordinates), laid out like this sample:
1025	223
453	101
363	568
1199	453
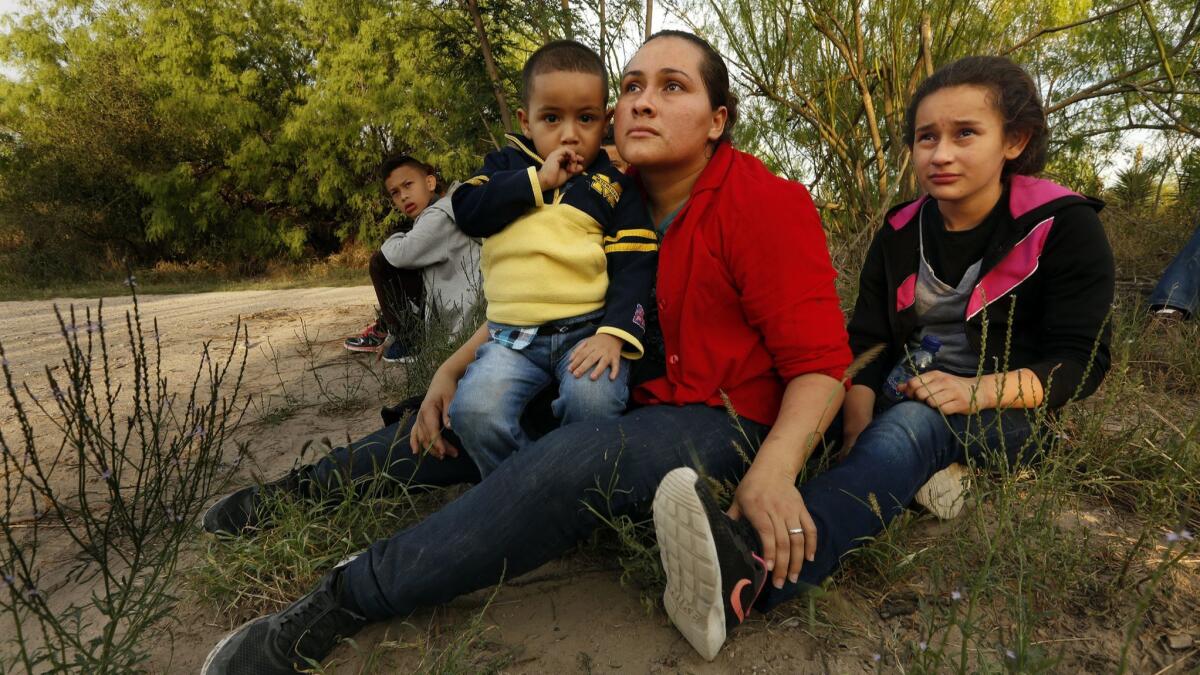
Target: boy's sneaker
714	572
945	492
370	340
397	351
298	637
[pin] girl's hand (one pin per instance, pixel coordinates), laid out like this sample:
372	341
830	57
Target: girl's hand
597	353
769	500
559	166
433	417
950	394
857	412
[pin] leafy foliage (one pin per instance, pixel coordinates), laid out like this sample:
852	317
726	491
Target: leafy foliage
238	130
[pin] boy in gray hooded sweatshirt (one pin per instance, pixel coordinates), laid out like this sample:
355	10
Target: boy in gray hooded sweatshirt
431	268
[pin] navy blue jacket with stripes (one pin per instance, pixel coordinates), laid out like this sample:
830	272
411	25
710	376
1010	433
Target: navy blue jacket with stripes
1042	301
555	254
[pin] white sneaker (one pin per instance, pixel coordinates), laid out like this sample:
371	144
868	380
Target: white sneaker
945	492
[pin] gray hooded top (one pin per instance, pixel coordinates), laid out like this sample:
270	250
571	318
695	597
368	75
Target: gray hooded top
447	258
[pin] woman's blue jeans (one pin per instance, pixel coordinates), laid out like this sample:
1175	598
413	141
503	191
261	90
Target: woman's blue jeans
1179	287
535	506
542	501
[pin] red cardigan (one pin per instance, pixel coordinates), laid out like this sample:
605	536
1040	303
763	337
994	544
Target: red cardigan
745	291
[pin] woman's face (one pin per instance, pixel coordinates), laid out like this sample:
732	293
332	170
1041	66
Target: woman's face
959	144
663	116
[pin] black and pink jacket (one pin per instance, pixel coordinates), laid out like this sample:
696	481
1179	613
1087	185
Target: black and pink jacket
1044	292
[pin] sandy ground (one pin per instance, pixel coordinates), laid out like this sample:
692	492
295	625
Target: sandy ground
549	621
566	617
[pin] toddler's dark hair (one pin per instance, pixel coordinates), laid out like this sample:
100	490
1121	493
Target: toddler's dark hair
1014	95
561	56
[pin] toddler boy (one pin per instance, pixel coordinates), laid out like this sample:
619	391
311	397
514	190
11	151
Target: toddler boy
568	261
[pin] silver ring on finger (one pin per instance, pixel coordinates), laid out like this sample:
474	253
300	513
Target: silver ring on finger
796	531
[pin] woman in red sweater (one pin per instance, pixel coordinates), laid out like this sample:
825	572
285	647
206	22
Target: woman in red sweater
749	318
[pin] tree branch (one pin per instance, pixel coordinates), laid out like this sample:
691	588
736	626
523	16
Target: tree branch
1058	29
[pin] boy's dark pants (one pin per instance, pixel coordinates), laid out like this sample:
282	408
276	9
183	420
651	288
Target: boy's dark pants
400	292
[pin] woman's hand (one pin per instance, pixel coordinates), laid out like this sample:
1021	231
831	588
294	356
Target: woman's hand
598	352
433	416
950	394
857	412
769	500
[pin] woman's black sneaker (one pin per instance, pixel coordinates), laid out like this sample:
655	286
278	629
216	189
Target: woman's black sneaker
243	510
714	573
298	637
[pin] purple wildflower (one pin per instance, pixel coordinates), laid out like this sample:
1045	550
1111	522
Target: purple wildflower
106	474
1010	655
1182	535
876	657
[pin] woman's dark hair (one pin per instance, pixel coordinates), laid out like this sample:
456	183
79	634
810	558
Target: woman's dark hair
396	161
1014	95
715	74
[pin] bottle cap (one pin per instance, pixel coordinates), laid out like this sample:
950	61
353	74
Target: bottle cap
931	344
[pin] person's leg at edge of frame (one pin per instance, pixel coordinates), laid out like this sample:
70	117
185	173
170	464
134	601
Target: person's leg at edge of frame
532	508
486	410
895	455
1179	287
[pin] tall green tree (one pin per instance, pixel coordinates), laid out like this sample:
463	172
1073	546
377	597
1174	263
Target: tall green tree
234	130
829	80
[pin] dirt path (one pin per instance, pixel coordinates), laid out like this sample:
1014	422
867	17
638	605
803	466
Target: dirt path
32	338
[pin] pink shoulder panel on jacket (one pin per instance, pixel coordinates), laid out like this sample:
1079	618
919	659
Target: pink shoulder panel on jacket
1028	193
1020	264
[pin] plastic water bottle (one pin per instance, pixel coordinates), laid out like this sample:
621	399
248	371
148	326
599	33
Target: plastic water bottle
920	361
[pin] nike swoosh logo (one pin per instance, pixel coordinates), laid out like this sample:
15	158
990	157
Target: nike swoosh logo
735	599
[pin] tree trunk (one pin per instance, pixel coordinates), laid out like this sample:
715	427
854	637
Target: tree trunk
927	43
566	18
602	33
649	18
490	64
